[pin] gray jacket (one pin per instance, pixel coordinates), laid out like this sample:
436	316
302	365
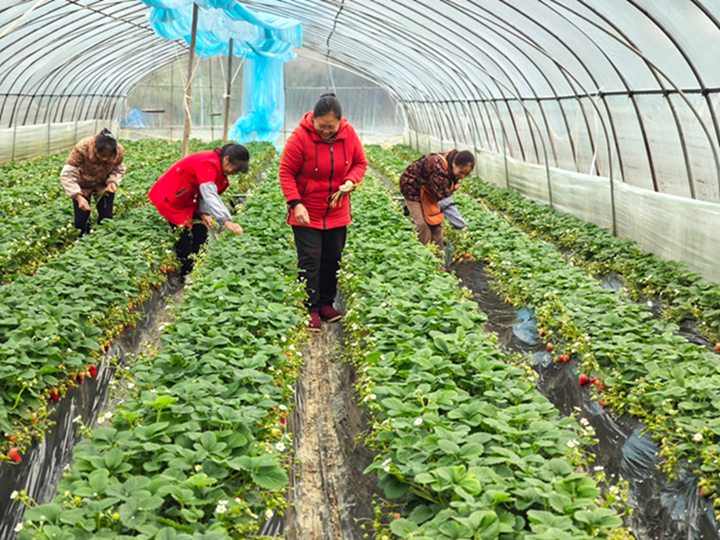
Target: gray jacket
447	207
211	203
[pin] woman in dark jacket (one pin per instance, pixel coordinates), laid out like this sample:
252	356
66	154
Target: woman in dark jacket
322	157
439	175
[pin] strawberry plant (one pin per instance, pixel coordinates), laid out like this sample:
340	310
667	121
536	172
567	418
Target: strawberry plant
683	294
465	444
646	369
197	450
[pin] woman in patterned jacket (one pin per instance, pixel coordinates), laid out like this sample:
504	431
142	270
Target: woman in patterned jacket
440	176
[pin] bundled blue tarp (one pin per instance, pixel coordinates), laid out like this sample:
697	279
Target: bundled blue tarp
266	42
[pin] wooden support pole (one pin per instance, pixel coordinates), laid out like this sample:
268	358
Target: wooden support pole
228	91
188	85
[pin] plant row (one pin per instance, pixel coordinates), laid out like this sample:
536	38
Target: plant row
684	294
40	225
466	446
199	447
60	321
640	364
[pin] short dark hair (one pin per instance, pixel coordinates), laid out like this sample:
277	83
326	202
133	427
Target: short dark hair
106	143
236	153
328	103
463	157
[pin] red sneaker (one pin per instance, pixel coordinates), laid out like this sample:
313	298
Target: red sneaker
330	314
315	325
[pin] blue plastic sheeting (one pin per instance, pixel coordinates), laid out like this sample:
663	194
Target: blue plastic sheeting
266	41
134	119
263	101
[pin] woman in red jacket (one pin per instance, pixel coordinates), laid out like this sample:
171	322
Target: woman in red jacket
188	194
322	156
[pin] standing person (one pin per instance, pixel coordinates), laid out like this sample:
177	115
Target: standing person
322	157
188	195
94	168
425	182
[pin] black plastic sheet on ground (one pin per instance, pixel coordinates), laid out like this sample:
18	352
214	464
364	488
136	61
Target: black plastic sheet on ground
43	464
662	510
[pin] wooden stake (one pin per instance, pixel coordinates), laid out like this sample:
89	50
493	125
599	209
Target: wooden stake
188	85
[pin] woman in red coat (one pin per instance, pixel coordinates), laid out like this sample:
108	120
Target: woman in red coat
322	156
188	194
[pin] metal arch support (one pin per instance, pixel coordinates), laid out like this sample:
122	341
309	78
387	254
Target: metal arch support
678	90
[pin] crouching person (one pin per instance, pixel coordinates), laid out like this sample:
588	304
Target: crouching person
93	170
188	196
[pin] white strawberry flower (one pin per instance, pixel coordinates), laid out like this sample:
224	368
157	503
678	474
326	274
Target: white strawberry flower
418	421
698	437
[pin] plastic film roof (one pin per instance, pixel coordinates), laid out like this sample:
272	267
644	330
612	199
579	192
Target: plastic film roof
622	88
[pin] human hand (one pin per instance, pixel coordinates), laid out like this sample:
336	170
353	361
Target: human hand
348	186
82	202
111	187
302	215
207	220
233	227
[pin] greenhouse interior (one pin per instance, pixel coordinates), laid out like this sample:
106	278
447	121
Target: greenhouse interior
352	269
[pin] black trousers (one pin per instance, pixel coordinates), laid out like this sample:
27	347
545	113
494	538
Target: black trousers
104	208
319	253
189	243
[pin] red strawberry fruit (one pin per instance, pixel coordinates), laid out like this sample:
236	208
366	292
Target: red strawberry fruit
15	455
549	347
563	358
396	516
11	438
584	380
92	370
717	348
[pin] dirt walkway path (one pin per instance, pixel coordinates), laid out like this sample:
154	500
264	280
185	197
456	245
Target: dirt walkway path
330	495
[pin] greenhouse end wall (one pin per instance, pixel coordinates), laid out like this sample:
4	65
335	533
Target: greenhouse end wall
22	142
669	226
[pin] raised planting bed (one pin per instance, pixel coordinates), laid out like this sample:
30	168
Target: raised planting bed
467	448
198	449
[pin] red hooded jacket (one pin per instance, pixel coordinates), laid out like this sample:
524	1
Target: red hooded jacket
176	194
312	169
